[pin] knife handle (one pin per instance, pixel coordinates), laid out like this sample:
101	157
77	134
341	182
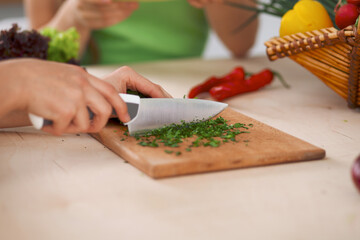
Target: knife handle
132	102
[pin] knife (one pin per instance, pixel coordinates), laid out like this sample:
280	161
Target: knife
151	113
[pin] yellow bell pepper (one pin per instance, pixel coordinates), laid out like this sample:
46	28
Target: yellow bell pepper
307	15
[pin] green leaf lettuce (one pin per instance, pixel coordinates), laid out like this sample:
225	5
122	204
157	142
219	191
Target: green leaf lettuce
63	46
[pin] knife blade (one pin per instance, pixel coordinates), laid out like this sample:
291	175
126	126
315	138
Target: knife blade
151	113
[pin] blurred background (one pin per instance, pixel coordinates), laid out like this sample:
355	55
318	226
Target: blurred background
12	11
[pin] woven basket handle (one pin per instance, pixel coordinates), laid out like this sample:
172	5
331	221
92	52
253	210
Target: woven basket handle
357	34
354	70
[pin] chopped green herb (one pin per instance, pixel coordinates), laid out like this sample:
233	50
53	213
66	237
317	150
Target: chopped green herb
168	151
238	125
148	143
209	133
143	144
178	153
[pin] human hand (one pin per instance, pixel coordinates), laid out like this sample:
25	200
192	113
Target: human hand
203	3
95	14
61	93
125	78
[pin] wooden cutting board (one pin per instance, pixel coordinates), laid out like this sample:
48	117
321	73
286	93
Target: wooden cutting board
264	145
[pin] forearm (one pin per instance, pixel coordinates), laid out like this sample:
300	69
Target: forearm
56	14
225	20
65	19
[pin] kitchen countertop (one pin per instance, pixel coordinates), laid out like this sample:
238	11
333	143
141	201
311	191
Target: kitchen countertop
72	187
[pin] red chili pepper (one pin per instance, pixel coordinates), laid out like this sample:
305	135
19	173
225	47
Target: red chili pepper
237	74
355	2
253	83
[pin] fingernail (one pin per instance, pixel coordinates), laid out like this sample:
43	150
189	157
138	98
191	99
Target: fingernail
127	117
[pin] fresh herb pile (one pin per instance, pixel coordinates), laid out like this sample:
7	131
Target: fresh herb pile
49	44
209	133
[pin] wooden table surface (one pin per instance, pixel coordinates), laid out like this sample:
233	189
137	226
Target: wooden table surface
72	187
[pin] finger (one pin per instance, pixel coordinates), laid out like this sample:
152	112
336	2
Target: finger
96	15
114	6
146	87
112	96
69	115
101	109
128	5
95	20
125	78
99	19
61	120
196	3
81	121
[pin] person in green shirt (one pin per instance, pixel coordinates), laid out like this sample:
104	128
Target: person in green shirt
118	32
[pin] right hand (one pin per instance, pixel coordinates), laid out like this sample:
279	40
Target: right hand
96	14
125	78
62	93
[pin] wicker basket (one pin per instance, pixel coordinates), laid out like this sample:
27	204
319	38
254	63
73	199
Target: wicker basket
330	54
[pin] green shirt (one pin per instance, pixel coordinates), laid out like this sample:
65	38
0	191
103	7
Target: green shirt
155	31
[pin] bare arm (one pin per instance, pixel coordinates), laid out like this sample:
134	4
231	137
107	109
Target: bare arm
84	15
225	20
57	14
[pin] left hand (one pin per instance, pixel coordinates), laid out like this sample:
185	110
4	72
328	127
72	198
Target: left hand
203	3
125	78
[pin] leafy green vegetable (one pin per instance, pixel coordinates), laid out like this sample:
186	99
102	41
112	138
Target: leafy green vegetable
63	46
15	43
